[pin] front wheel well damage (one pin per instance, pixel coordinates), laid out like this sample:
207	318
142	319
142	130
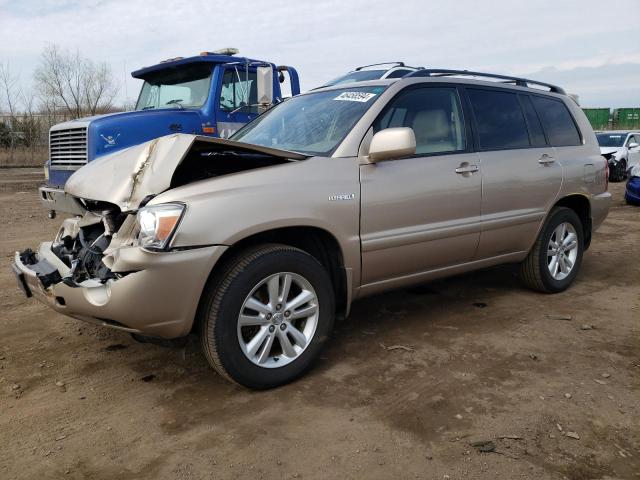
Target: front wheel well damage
581	206
317	242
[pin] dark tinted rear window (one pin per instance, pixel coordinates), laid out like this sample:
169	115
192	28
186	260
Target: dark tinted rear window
499	119
536	134
557	122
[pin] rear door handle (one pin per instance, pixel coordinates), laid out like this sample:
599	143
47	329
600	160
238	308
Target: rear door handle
546	159
466	168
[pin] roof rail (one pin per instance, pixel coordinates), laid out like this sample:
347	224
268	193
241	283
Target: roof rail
397	64
521	82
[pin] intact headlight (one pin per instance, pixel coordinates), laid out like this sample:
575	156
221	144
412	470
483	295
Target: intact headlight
158	224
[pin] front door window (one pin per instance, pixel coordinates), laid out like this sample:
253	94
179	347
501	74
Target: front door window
239	91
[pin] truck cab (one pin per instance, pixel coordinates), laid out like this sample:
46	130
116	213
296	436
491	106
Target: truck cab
211	94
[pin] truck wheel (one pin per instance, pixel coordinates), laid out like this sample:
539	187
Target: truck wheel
264	320
554	260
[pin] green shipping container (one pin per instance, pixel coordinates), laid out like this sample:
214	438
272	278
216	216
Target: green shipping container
598	117
627	118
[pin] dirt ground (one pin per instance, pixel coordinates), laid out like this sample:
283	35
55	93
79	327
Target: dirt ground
485	360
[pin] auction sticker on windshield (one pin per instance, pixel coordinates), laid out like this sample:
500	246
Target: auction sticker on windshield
355	96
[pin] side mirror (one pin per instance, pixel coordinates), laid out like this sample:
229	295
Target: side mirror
392	143
634	145
264	83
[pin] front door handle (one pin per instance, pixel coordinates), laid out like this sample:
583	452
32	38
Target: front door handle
466	168
546	159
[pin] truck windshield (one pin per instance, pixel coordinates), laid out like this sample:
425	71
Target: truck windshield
314	123
611	139
186	86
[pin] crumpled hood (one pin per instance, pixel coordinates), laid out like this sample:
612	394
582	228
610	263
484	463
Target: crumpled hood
608	150
128	176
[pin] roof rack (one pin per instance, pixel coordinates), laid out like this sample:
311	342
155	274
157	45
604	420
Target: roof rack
397	64
521	82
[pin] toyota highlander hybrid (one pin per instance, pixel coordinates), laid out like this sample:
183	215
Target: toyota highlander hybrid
258	242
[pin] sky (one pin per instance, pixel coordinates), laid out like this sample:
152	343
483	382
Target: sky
591	48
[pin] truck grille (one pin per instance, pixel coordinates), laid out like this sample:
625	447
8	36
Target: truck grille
68	147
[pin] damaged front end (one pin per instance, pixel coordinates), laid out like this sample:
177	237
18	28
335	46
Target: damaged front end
82	245
81	256
114	265
96	270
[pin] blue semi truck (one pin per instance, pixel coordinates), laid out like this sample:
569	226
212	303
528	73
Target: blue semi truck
213	93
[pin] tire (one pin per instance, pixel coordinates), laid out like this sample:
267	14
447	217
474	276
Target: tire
247	278
536	268
619	171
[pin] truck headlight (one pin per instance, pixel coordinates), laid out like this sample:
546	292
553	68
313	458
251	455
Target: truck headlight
158	224
46	172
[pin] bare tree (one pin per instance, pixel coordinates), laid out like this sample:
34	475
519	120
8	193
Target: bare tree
11	94
10	90
76	85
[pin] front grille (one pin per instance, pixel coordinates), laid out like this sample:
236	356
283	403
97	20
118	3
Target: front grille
68	147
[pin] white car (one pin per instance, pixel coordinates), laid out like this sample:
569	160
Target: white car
376	71
622	151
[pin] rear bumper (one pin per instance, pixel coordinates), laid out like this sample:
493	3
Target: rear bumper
53	198
599	209
158	298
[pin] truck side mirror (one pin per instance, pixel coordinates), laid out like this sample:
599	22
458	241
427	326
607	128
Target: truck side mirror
633	145
392	143
265	84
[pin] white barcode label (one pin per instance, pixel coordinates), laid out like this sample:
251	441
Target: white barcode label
355	96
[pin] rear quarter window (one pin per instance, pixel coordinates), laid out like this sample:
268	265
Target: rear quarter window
557	121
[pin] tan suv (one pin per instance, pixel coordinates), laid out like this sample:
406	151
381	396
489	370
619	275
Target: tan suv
259	242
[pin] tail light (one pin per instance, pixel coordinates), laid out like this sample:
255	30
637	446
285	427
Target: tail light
606	174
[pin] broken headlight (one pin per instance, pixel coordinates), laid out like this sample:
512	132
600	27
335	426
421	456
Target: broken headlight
158	224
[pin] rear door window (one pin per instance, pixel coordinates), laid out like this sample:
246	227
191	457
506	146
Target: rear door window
499	119
557	121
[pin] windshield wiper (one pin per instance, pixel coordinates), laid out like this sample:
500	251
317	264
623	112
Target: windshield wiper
148	107
176	101
242	107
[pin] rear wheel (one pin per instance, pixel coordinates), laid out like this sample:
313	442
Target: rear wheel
554	261
266	317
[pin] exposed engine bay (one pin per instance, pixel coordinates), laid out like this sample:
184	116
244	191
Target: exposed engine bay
209	160
82	245
83	252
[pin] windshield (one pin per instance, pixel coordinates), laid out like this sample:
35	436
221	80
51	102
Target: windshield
359	76
186	86
313	124
611	139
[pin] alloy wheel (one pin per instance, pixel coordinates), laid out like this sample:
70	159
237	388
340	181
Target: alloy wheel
562	251
278	320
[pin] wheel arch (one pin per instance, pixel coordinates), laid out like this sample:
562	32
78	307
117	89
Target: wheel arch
580	204
317	242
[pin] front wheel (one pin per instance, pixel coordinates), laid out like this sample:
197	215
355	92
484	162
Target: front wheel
554	261
619	171
265	318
